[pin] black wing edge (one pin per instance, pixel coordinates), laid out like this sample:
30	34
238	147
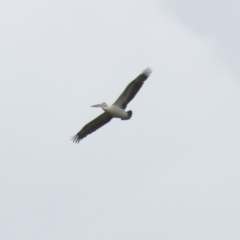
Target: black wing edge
135	84
147	72
98	124
76	138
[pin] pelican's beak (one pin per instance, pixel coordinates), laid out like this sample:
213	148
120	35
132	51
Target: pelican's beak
97	105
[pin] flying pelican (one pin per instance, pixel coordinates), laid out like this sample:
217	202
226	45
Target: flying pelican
116	110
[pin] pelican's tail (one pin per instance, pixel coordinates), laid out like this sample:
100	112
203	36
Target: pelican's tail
129	114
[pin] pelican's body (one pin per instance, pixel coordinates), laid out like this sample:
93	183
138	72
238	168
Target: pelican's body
114	111
117	109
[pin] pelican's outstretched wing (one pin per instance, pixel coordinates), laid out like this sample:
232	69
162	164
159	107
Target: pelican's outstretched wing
132	89
92	126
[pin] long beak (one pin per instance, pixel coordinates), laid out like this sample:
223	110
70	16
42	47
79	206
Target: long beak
97	105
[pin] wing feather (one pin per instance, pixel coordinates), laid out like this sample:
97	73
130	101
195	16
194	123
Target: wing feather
92	126
132	89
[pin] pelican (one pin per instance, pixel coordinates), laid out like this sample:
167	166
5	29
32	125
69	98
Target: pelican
117	109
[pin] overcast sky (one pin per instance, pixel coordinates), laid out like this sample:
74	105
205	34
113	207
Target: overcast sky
171	172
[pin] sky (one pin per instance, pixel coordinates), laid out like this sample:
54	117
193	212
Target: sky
171	172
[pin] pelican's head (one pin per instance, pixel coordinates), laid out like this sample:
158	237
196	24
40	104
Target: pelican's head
100	105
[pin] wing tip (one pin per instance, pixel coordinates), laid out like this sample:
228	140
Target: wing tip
147	72
76	139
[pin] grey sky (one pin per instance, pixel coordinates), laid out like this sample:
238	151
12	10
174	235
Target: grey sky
219	19
171	172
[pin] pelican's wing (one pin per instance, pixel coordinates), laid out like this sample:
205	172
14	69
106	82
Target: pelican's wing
92	126
132	89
